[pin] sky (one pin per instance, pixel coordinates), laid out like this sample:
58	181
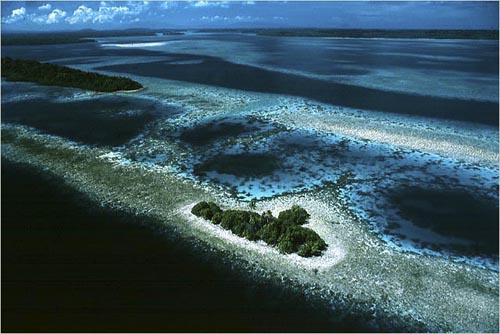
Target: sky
75	15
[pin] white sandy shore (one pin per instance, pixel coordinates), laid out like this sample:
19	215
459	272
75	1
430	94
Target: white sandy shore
333	255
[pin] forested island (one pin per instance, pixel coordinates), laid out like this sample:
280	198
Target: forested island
369	33
80	36
44	39
56	75
285	232
382	33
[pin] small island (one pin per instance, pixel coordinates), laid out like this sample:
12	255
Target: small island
56	75
285	232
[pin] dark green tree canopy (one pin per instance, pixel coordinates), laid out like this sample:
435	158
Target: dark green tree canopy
55	75
285	232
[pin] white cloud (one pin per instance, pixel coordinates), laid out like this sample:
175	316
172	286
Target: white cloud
106	13
17	15
82	14
246	18
205	3
215	18
55	16
136	7
167	4
249	3
47	6
237	18
19	12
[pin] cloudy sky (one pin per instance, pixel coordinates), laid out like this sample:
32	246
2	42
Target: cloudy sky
73	15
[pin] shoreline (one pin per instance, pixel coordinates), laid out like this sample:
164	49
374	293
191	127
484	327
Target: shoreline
330	257
126	91
48	74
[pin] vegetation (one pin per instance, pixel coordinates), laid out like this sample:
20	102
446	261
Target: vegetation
285	232
55	75
44	40
81	36
372	33
381	33
206	210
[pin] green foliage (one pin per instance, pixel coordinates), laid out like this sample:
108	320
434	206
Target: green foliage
285	233
296	215
45	40
80	36
55	75
217	218
267	217
301	240
206	210
242	223
253	204
270	233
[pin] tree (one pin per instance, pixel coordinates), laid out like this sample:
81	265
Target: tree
296	215
253	204
285	233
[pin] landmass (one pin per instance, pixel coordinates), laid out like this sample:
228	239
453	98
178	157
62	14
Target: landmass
32	39
56	75
285	232
371	33
80	36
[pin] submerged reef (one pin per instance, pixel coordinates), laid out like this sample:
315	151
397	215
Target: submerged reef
56	75
285	232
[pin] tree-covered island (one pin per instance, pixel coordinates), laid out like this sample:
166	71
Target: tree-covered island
56	75
285	232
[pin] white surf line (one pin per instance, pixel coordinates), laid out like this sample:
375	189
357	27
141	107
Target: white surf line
331	256
135	45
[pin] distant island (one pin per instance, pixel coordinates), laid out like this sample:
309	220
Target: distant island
56	75
368	33
285	232
80	36
32	39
